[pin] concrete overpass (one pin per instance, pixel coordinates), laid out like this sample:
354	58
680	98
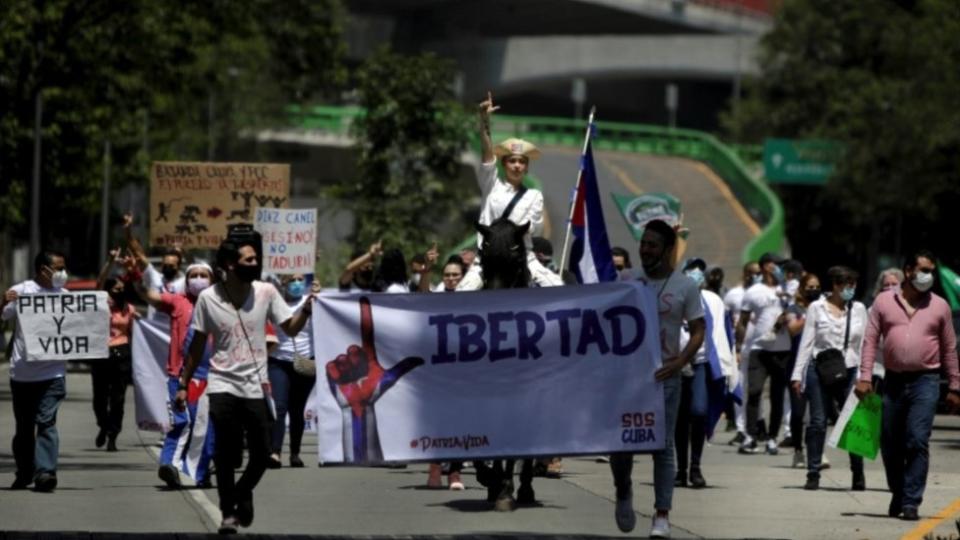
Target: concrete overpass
625	52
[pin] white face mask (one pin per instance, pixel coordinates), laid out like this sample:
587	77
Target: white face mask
922	281
196	285
58	279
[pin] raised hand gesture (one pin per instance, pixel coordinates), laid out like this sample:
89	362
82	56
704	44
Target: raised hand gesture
487	108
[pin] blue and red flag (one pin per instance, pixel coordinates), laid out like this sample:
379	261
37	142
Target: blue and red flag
590	257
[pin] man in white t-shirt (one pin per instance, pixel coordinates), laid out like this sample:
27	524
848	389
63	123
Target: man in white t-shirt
235	312
767	344
732	302
37	387
678	300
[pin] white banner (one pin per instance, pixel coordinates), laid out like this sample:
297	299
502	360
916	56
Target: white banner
289	239
65	326
151	341
467	375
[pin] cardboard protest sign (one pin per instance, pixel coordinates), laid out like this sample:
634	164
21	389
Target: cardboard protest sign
191	203
289	239
65	326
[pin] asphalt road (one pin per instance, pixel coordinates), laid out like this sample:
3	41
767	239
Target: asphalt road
748	496
719	226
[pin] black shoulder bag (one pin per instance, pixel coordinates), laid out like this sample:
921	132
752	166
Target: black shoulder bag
513	202
831	364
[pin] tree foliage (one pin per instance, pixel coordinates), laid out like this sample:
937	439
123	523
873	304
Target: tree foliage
881	77
410	141
159	80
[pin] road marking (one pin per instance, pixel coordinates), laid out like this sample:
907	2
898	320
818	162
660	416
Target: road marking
724	190
200	499
623	177
928	525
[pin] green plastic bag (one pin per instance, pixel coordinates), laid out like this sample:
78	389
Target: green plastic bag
861	435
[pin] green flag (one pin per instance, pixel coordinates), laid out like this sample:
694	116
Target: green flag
950	282
637	211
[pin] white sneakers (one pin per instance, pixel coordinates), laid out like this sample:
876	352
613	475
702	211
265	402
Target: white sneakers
626	518
660	527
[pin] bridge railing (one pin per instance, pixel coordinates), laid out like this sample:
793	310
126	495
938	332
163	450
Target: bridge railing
762	204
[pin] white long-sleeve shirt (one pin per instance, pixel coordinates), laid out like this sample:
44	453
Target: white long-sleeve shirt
22	369
496	196
823	330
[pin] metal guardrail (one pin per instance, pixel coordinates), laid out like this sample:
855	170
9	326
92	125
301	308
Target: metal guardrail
763	205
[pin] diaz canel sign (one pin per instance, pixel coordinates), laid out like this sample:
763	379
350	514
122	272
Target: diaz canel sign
787	161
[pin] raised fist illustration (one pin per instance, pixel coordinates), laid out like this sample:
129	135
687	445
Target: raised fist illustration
357	380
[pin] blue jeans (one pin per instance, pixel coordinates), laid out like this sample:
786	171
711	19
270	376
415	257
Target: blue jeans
909	405
691	418
290	393
664	466
36	443
821	399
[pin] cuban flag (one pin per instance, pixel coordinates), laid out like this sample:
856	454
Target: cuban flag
723	384
590	257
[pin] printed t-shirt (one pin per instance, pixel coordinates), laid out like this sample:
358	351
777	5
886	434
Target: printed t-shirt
239	367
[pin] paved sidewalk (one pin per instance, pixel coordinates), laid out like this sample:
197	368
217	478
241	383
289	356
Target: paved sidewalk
749	496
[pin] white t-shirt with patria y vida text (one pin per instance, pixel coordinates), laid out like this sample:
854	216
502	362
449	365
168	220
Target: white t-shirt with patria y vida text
765	307
234	367
679	301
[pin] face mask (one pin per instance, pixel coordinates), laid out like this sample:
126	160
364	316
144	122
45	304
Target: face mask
922	281
792	286
696	275
757	278
58	279
847	293
169	272
247	273
778	274
812	295
295	289
118	298
196	285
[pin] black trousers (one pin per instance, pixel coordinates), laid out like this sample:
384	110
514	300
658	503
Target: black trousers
763	365
233	417
110	377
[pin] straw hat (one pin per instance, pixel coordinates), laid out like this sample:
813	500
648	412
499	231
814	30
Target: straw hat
516	147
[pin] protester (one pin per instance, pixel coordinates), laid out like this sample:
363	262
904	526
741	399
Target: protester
714	281
792	272
37	388
891	278
508	199
235	312
452	274
834	326
678	300
692	426
291	369
808	292
179	308
358	274
918	343
621	258
732	302
468	255
768	350
112	375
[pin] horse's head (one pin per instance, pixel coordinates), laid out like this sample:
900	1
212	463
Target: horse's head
504	254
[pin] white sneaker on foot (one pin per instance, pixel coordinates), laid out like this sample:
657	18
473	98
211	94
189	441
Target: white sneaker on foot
626	518
799	461
660	527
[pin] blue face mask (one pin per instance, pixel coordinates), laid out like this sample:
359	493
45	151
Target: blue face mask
757	278
295	289
847	293
696	275
778	274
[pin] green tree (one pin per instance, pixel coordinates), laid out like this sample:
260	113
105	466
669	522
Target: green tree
881	77
159	80
407	191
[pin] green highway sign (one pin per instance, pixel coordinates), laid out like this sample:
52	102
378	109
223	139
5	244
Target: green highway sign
811	162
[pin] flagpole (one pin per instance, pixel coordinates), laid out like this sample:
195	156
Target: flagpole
576	189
